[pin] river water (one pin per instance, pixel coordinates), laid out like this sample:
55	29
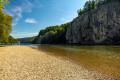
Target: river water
105	59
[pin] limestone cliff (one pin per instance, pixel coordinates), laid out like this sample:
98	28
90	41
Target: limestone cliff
100	26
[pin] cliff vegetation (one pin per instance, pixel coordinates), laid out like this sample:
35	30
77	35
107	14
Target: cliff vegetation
52	35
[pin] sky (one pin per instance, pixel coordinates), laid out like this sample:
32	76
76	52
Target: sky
30	16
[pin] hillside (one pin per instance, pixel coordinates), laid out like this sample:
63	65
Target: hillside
52	35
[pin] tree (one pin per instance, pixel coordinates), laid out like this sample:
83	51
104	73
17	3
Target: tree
5	26
55	34
93	4
5	23
3	2
88	5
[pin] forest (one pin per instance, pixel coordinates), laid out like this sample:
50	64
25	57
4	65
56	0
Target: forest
52	34
5	25
26	39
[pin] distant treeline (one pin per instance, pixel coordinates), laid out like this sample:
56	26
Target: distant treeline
26	39
93	4
5	26
52	34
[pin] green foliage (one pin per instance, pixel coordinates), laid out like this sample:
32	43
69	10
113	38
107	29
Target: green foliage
93	4
51	28
3	2
9	40
5	25
55	34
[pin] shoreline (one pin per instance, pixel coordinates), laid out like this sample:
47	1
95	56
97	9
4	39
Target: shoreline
81	65
56	67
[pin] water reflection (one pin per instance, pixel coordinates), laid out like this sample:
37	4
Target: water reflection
105	59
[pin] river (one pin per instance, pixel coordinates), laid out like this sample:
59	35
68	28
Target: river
105	59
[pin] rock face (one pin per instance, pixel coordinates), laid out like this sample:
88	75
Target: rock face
43	38
101	26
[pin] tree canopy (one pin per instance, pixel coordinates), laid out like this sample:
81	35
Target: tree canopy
2	2
5	24
55	34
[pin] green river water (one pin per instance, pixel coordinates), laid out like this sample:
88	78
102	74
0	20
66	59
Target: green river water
105	59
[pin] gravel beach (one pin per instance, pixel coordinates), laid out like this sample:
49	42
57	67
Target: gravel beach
26	63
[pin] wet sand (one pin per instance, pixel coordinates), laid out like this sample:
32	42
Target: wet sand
26	63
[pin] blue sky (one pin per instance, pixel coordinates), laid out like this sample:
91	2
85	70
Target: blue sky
30	16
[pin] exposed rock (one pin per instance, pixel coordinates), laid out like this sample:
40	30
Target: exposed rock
43	38
101	26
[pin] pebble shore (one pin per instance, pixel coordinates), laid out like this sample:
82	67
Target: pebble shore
26	63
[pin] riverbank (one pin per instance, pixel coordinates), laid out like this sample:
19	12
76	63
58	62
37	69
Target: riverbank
26	63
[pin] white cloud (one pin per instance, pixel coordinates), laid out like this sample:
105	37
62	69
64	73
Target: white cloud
18	12
17	9
13	24
30	20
